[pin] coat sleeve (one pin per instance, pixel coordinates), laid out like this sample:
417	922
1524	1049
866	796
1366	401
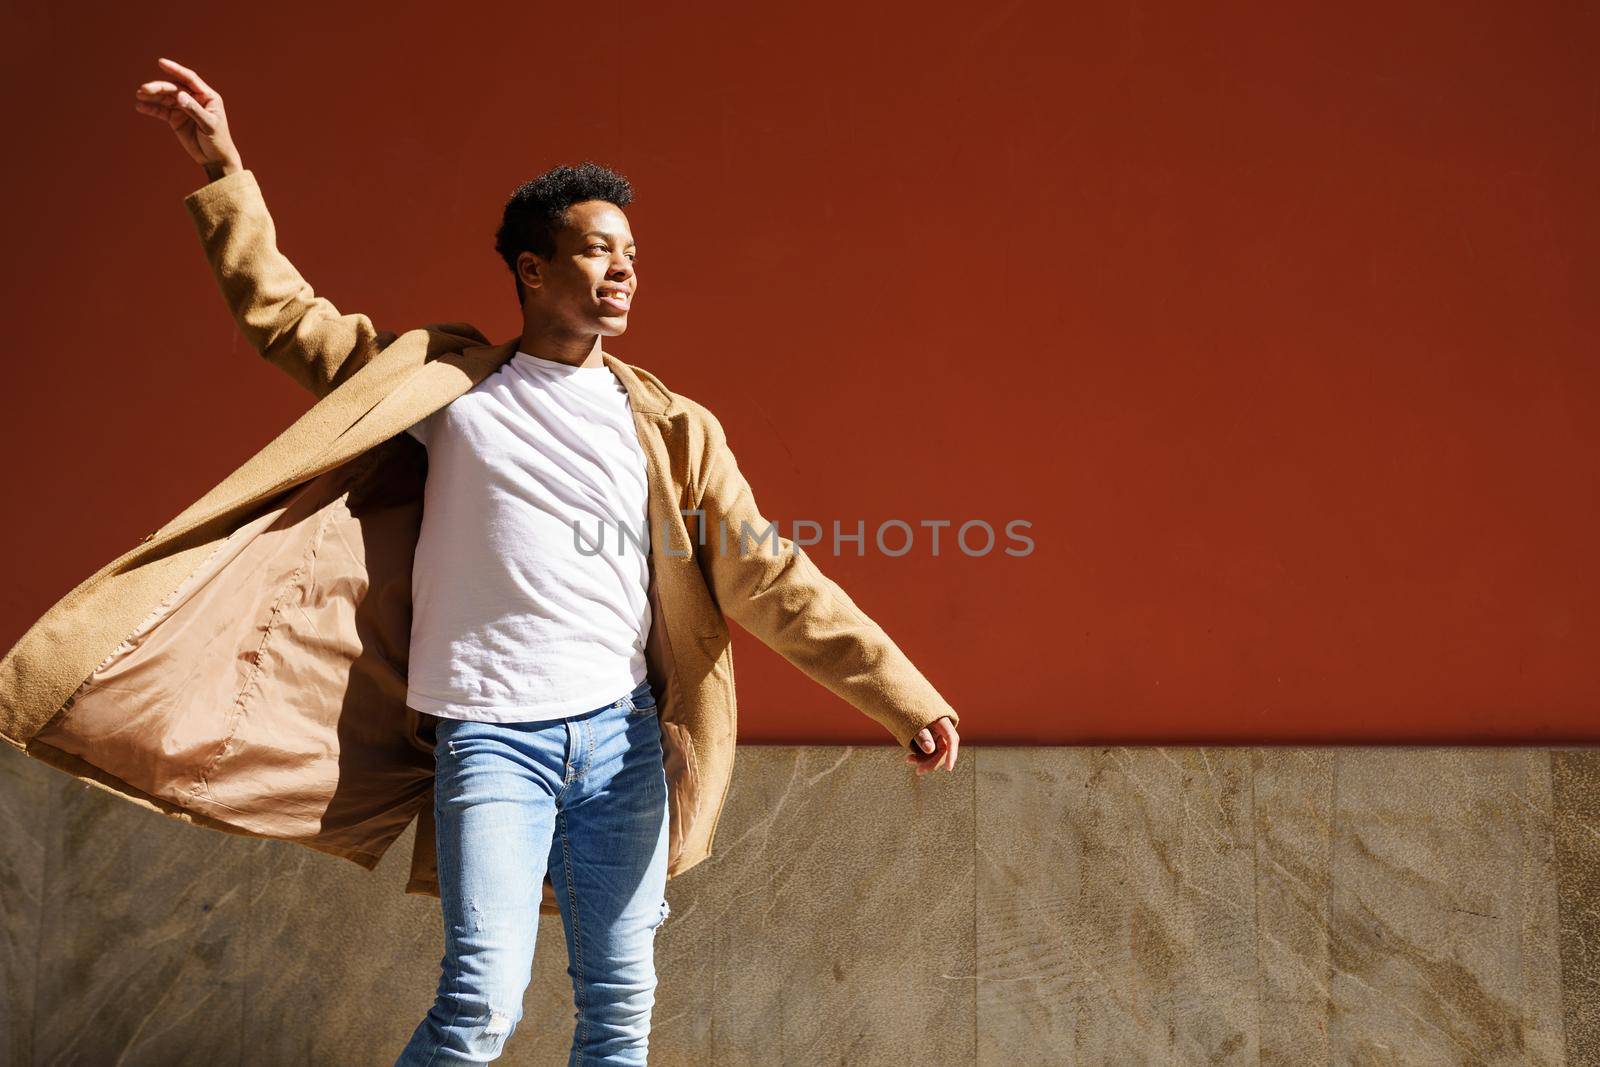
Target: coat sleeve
283	319
774	590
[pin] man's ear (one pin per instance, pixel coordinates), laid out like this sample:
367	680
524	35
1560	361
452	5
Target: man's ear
529	269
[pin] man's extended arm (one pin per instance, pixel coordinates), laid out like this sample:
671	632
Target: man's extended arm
780	596
279	314
276	309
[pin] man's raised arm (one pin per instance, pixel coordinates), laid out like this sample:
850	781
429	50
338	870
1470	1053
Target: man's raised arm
276	309
778	594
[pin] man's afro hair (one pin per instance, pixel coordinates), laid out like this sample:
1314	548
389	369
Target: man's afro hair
538	209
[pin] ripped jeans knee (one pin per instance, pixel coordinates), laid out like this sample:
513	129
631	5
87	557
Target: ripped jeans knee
460	1030
499	1024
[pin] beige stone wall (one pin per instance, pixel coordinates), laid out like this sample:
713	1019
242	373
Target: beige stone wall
1039	906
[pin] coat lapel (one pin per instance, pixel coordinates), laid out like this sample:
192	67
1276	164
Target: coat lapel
434	385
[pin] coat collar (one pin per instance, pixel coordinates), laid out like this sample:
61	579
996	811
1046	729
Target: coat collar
646	394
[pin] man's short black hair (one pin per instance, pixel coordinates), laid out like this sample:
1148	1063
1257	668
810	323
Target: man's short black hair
538	209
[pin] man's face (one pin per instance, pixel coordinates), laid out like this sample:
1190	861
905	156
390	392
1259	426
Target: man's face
590	283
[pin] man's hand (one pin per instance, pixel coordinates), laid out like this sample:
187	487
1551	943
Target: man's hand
194	112
935	746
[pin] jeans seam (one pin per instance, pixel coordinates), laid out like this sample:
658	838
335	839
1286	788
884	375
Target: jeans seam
451	963
571	773
588	738
579	994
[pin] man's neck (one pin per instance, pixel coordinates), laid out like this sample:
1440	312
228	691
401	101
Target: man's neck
577	351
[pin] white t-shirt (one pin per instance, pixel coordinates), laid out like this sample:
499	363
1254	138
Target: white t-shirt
513	621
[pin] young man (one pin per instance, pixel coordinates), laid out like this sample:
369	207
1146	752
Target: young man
528	645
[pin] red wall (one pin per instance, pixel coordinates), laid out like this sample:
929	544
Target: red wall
1279	326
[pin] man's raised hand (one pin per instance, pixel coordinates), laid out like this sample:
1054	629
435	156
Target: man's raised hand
194	112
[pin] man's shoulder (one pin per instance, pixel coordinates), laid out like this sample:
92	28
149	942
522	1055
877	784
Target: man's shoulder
674	403
697	412
433	340
704	430
454	336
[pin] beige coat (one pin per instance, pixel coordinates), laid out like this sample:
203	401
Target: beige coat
244	666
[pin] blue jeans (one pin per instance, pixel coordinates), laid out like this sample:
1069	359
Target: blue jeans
584	798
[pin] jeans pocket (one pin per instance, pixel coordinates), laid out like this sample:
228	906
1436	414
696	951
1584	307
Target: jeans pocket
645	705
